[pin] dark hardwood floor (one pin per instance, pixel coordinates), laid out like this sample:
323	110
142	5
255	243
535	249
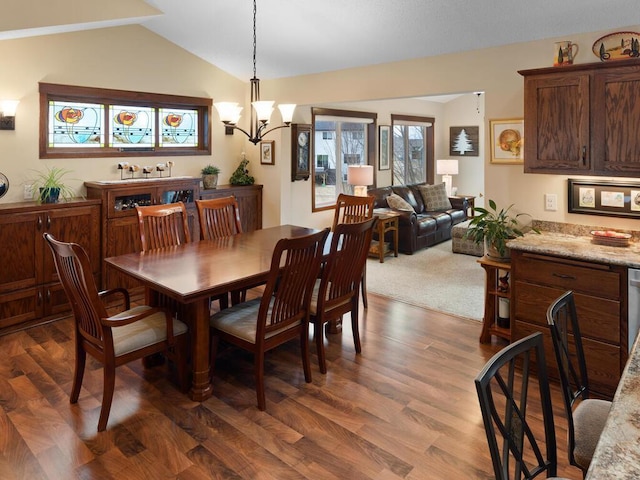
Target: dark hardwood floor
404	409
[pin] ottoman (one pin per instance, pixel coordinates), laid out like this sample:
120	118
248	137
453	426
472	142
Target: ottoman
459	244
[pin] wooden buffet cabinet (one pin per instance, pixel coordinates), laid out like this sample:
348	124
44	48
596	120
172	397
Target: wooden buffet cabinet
249	198
583	119
601	302
30	292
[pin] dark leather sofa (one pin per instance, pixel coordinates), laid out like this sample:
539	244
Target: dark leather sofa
421	228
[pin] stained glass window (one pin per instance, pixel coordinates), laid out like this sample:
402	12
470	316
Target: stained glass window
179	127
131	126
73	124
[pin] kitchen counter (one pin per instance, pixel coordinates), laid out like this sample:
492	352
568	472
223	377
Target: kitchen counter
578	247
617	455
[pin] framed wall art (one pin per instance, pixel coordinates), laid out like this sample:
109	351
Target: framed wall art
463	141
300	151
611	198
267	152
384	147
507	141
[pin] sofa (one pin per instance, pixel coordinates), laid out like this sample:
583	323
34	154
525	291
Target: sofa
419	225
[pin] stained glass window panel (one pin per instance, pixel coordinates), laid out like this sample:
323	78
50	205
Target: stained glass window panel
73	124
131	127
179	127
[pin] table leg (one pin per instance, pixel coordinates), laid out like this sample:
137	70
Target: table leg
381	228
395	237
201	386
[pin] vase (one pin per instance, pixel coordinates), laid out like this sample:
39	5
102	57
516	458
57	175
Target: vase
210	181
49	195
492	252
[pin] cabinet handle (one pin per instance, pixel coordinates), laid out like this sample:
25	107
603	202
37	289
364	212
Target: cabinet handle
48	296
584	155
48	222
39	223
565	277
39	298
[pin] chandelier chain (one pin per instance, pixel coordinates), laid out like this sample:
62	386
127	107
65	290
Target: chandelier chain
254	38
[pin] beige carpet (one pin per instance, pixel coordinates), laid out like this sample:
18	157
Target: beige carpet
433	278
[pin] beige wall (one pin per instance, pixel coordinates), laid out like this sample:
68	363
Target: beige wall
132	58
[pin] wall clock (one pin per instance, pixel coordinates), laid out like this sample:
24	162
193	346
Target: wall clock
300	151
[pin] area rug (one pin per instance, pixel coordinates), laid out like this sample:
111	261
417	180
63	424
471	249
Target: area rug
433	278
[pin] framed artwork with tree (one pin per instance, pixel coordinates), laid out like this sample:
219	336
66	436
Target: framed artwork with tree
463	141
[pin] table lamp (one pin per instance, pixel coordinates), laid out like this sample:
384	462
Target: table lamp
446	168
360	176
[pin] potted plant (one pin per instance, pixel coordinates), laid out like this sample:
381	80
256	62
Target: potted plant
495	227
49	186
210	176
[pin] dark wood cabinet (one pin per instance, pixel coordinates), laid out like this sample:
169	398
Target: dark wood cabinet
29	289
583	119
600	295
249	198
120	222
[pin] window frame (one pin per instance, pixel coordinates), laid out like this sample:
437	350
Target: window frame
429	143
109	97
370	148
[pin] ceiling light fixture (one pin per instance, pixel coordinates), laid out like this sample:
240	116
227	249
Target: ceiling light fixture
260	113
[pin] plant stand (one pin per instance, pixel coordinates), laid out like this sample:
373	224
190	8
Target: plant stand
493	293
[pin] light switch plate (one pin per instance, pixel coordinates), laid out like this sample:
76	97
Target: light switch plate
551	202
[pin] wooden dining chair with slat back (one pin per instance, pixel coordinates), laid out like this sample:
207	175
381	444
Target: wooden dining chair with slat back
281	314
164	226
353	209
337	291
115	339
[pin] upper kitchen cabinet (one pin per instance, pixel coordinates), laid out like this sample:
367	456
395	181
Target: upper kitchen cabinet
583	119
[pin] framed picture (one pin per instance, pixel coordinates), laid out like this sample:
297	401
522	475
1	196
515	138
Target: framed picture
300	151
464	141
384	147
611	198
507	141
267	153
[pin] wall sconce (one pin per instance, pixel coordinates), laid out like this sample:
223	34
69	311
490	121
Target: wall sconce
8	114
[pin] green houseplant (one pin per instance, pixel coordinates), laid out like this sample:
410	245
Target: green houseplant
49	186
495	227
210	176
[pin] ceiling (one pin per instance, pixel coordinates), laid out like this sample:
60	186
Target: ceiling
297	37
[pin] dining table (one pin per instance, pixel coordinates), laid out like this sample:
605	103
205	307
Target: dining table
191	273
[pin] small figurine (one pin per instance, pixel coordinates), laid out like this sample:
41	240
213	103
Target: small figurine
503	283
241	175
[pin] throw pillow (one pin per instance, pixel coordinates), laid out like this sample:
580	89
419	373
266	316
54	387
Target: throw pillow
435	197
397	202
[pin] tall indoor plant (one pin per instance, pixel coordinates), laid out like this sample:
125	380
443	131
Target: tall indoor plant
495	227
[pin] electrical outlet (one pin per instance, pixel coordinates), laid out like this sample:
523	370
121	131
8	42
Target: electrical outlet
28	192
550	202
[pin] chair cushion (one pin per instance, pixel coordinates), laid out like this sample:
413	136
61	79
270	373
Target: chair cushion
589	418
399	203
313	308
241	321
435	197
145	332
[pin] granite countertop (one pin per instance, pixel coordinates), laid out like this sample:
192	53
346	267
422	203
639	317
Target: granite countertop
575	242
617	455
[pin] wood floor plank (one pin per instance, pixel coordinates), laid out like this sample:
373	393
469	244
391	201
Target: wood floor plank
406	408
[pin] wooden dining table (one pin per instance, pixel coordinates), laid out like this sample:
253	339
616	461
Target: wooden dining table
190	274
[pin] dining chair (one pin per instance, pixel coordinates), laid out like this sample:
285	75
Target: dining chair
167	225
113	340
337	291
585	416
351	209
513	391
281	314
163	225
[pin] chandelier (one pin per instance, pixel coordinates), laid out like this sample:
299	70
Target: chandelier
261	112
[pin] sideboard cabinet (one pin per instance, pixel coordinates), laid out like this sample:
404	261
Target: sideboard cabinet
249	198
30	292
583	119
119	220
600	296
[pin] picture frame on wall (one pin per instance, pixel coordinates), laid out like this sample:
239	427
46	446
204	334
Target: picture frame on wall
384	147
507	141
464	141
267	152
611	198
300	151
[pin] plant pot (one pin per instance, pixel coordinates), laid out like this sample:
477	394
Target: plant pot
492	252
210	181
49	195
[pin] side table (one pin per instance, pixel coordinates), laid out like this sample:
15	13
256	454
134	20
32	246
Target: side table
471	201
387	221
493	292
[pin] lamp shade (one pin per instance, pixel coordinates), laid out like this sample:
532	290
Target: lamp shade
447	167
8	107
360	175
